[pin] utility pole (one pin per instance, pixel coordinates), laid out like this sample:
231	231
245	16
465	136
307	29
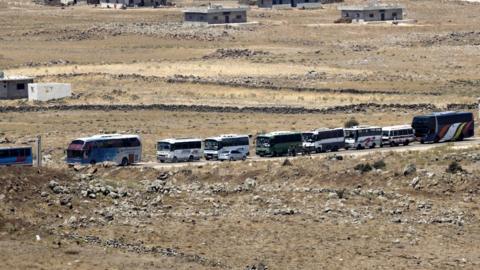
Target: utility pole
39	151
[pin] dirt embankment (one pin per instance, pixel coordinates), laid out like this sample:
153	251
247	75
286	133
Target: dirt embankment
224	215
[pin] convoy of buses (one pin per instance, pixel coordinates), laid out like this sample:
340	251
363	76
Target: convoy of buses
127	149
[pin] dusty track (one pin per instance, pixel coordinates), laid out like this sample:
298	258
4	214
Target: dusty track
415	147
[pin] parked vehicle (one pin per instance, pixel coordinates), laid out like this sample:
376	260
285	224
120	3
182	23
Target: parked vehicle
279	143
361	137
324	140
443	127
231	155
121	149
175	150
16	155
225	143
397	135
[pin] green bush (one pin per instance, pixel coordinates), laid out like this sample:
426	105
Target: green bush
363	167
380	164
454	167
351	122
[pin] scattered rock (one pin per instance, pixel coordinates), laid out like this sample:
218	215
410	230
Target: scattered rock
409	169
249	184
287	162
415	182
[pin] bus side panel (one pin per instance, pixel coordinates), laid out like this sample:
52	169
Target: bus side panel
455	131
17	161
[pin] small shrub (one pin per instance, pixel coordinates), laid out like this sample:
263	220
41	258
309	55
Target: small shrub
454	167
363	167
351	122
380	164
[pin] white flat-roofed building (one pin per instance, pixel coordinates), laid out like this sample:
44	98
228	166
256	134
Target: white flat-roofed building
215	14
372	12
48	91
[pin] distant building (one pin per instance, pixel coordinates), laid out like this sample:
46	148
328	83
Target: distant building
293	3
48	91
373	12
14	87
215	15
131	3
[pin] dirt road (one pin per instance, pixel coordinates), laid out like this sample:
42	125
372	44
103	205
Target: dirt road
413	147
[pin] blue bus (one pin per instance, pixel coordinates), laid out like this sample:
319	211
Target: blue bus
443	127
121	149
16	155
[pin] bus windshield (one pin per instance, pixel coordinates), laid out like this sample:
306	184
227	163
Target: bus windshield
163	146
307	137
211	145
263	141
350	134
424	124
75	149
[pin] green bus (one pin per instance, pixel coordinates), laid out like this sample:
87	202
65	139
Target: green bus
279	143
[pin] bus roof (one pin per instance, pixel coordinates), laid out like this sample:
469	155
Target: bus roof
325	129
224	136
361	127
397	127
175	140
100	137
14	147
275	133
447	113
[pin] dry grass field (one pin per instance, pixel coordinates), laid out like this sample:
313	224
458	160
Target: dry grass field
315	214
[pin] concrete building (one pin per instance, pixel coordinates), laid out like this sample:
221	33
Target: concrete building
372	12
215	15
14	87
48	91
131	3
294	3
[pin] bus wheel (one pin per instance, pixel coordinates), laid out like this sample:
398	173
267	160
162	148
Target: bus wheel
460	138
174	160
335	149
373	145
359	147
124	162
422	141
274	154
162	161
93	162
405	143
190	158
294	153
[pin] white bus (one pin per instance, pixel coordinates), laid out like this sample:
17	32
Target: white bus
121	149
360	137
175	150
324	139
226	142
396	135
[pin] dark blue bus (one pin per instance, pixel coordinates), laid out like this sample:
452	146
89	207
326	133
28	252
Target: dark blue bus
16	155
443	126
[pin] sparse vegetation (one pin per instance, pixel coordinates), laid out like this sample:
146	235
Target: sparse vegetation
351	123
454	167
379	164
363	167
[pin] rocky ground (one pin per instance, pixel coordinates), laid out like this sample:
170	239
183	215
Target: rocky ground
413	210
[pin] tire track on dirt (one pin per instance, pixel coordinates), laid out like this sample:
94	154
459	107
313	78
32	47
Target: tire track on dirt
249	83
